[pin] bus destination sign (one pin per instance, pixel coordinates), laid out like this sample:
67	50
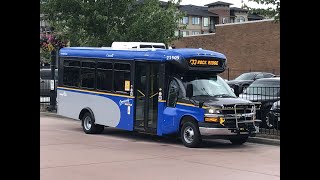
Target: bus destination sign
203	63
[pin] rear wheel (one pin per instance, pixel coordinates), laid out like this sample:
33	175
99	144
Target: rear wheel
264	117
238	140
190	135
88	125
272	122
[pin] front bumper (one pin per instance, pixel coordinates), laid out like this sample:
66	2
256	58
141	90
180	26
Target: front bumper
211	129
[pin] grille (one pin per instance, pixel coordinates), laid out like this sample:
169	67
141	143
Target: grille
240	109
239	112
230	123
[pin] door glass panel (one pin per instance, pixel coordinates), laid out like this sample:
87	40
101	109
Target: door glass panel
146	92
141	75
153	96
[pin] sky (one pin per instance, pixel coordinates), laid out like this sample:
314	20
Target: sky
236	3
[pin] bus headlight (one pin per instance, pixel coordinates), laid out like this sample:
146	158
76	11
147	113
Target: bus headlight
213	114
213	111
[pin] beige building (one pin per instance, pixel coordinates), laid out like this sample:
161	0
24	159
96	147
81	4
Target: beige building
202	19
238	15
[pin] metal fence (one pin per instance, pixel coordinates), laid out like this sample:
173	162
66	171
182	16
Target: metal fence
48	84
268	107
48	92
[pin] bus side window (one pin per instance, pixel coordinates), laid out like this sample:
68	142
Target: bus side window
173	93
121	74
104	76
71	73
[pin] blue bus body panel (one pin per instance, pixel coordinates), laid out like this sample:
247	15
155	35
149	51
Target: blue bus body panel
169	118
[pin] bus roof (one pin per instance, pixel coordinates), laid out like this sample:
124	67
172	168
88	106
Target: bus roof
161	55
138	45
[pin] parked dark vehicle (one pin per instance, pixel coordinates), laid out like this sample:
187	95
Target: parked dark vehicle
266	91
45	78
245	79
273	116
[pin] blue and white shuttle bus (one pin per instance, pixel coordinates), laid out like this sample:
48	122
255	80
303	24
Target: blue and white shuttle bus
156	91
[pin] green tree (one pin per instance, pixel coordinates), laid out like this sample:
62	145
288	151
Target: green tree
100	22
154	22
272	12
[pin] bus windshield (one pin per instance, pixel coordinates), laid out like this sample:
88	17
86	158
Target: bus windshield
214	86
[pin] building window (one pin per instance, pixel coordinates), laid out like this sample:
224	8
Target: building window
176	33
185	33
195	32
185	20
224	20
195	20
205	22
104	76
241	19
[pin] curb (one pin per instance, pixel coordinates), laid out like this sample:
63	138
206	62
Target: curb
260	140
257	140
50	114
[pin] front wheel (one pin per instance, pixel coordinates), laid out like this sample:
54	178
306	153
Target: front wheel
190	135
238	140
88	125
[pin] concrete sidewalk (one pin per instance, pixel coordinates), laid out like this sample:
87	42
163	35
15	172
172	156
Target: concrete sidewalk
259	140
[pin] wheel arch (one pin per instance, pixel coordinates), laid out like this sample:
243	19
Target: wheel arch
84	110
187	118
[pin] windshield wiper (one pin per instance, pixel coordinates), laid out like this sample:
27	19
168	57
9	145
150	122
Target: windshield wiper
203	89
222	95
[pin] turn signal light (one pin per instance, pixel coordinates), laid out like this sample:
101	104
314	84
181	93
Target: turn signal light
212	119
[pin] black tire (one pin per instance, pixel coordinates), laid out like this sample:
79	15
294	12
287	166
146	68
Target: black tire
264	115
271	122
187	138
238	140
275	123
88	125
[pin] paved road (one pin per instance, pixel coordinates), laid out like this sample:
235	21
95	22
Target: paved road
67	153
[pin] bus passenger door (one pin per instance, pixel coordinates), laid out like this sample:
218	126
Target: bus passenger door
146	93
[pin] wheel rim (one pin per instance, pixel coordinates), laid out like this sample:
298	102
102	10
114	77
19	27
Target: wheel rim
269	125
188	134
87	123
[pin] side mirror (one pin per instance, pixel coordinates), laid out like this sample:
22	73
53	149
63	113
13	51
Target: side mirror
236	90
189	91
173	97
201	104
